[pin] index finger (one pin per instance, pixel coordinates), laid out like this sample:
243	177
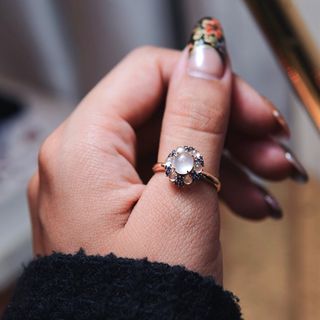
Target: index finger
134	88
124	99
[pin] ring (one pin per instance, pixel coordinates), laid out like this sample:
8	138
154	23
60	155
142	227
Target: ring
184	165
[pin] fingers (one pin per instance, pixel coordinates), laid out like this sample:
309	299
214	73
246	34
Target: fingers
196	114
135	87
266	158
141	79
91	184
245	197
197	108
252	114
122	101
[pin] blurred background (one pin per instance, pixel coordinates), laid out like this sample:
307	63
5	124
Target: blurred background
52	52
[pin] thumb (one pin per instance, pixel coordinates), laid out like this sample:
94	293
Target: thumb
182	224
197	109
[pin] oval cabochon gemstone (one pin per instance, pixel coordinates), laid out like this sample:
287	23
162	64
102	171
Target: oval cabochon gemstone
183	163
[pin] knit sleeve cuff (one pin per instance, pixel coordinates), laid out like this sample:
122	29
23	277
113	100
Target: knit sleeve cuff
65	286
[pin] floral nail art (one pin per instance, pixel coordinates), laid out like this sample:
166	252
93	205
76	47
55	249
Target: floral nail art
208	31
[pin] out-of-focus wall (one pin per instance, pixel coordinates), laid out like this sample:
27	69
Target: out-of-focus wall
67	46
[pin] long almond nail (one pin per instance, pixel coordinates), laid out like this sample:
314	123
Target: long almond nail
281	122
281	126
273	206
207	50
298	174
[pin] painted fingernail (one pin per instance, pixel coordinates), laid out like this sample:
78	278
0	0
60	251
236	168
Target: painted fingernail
281	126
273	206
281	123
207	50
298	174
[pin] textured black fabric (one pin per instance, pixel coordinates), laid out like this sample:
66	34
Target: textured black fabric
79	287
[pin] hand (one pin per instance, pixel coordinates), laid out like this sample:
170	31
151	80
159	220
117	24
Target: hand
87	192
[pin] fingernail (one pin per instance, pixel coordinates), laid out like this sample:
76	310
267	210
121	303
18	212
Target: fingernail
281	126
298	174
207	50
273	206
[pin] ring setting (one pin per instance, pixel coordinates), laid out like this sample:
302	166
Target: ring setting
184	165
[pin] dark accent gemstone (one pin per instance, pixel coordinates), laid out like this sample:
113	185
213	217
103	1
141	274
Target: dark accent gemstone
167	170
179	181
173	153
199	160
195	176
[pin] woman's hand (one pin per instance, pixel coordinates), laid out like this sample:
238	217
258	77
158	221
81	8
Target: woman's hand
87	191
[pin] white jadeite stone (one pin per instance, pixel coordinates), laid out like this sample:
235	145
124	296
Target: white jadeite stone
180	149
187	179
183	163
172	176
198	168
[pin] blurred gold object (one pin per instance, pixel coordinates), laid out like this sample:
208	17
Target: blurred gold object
294	47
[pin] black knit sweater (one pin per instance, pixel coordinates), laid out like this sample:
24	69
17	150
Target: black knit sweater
79	287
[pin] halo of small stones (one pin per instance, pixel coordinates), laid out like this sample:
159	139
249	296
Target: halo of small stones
184	179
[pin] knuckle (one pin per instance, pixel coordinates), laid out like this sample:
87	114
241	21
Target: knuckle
146	56
143	51
122	129
127	134
121	138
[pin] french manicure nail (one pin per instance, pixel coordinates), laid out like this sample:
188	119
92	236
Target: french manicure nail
273	206
207	50
298	174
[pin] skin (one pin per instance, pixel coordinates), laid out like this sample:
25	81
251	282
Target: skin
88	190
